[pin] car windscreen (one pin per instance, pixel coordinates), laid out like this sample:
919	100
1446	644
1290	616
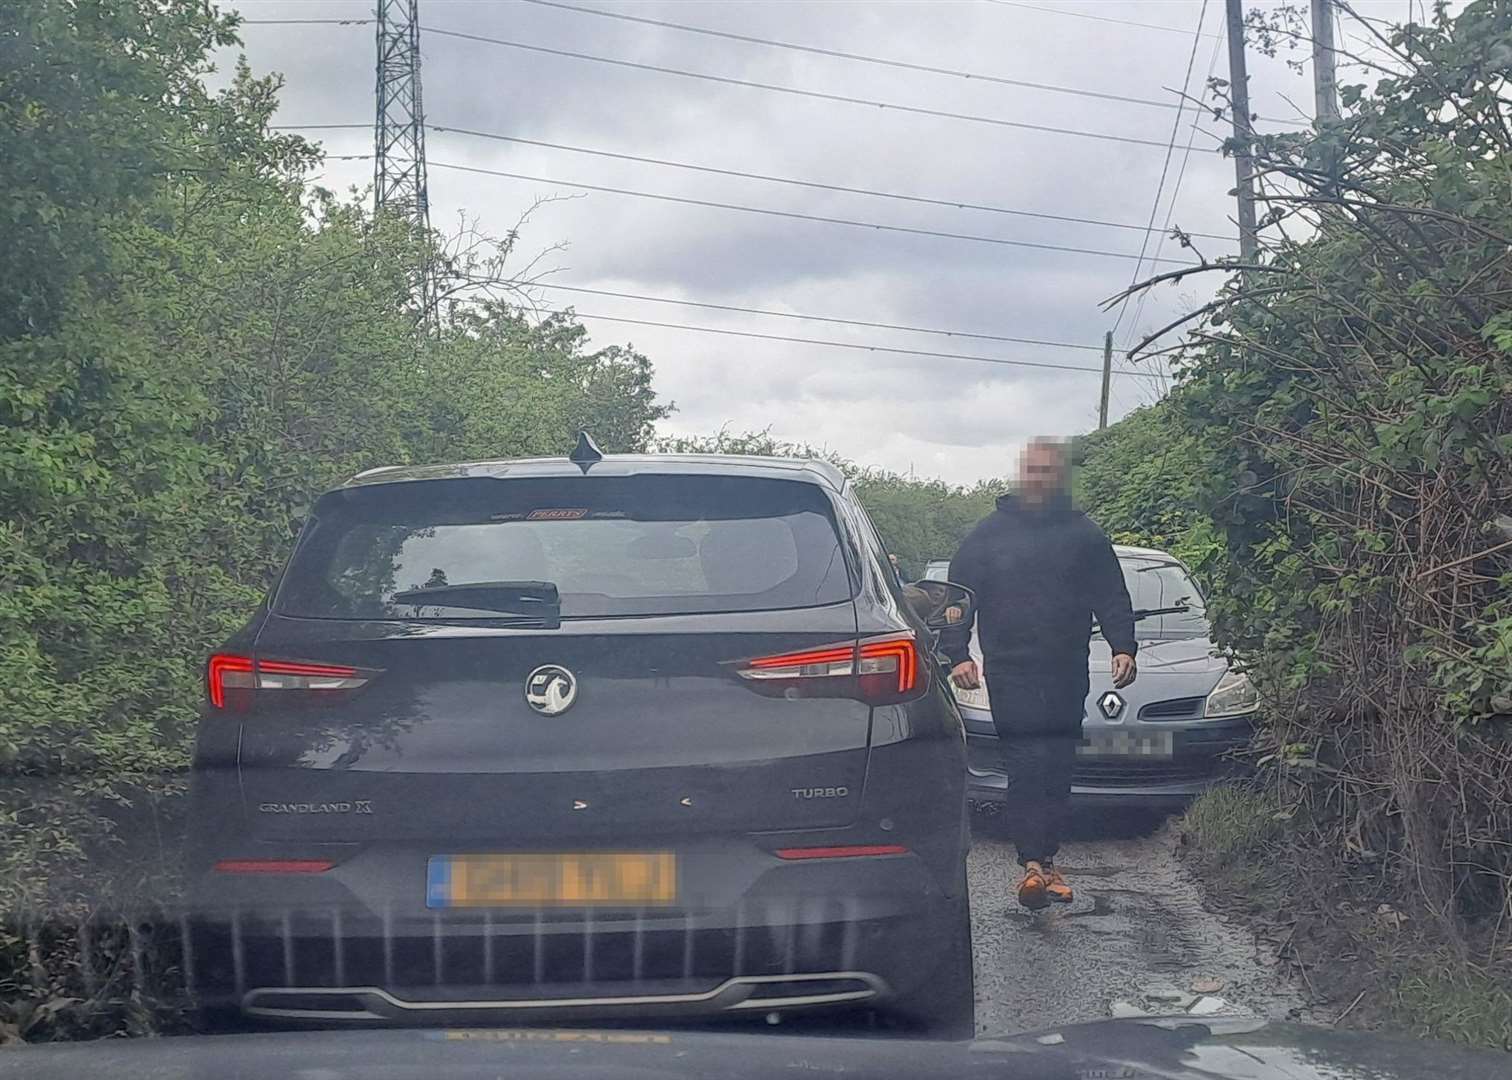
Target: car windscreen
1156	583
619	545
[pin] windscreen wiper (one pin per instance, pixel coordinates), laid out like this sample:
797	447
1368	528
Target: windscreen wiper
531	599
1151	612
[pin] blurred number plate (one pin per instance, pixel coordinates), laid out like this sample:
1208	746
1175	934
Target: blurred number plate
1155	744
593	878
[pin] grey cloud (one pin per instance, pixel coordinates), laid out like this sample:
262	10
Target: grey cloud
952	418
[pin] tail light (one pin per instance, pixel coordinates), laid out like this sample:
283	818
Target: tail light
880	671
233	680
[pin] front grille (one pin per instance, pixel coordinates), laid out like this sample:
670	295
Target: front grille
1130	772
338	949
1189	708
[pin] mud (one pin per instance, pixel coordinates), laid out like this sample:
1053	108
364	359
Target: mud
1137	939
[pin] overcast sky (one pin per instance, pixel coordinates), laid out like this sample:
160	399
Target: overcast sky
956	419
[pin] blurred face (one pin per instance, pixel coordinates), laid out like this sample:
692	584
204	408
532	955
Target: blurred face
1042	472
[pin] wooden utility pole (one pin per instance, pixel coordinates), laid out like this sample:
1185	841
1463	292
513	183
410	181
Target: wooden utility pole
1325	89
1243	162
1102	404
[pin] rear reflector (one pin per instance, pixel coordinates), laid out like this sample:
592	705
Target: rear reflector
273	866
852	851
880	670
232	678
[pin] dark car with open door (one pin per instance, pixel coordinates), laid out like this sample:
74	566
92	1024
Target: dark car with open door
599	736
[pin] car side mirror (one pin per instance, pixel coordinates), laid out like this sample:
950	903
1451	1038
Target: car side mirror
941	604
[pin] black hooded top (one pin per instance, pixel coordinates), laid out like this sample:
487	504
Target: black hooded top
1040	574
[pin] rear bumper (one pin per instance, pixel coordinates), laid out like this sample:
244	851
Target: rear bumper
798	935
732	996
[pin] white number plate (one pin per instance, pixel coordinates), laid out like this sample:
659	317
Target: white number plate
1156	744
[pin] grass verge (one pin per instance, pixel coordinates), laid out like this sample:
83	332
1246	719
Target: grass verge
1346	937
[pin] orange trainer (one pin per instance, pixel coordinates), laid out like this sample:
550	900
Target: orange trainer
1057	889
1031	891
1042	886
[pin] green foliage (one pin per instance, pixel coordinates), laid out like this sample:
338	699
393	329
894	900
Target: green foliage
1137	479
918	520
194	343
1442	1001
1353	405
1233	822
93	97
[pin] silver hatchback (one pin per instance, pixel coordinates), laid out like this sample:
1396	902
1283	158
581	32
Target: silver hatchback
1156	743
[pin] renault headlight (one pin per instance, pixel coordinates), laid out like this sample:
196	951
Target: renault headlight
1234	695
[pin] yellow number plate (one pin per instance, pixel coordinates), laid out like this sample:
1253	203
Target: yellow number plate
583	880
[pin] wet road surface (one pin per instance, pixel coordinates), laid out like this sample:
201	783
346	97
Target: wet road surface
1137	939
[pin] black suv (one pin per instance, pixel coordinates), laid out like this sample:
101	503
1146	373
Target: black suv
625	735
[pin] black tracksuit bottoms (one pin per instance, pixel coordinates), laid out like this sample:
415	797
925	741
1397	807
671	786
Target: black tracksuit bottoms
1038	716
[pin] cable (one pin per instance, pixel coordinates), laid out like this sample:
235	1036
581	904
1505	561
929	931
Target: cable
768	311
953	203
1165	228
816	94
1094	18
902	64
1186	83
809	318
844	344
793	214
306	22
758	176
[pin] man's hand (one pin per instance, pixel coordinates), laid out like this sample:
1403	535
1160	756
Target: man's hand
965	675
1124	670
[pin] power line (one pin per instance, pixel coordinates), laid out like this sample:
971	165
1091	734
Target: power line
952	203
792	214
870	324
845	344
917	110
306	22
815	94
1165	167
809	318
859	57
1165	228
1095	18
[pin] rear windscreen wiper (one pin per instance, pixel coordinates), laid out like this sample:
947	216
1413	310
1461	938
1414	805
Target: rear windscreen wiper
536	599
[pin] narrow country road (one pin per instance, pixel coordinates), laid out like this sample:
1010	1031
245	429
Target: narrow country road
1137	938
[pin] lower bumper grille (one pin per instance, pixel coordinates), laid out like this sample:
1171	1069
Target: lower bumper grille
329	951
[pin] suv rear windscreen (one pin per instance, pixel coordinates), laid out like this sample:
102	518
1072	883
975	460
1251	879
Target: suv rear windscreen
625	545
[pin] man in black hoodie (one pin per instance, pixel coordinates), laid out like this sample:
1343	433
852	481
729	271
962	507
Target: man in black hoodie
1042	571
